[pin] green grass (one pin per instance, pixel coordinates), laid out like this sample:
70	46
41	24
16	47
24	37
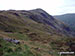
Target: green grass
11	49
19	36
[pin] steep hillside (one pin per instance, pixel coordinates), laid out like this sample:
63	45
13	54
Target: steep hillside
13	20
38	32
68	19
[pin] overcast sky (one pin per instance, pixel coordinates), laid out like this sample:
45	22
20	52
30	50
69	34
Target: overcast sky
53	7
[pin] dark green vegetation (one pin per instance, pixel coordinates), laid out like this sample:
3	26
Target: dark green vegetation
69	19
39	33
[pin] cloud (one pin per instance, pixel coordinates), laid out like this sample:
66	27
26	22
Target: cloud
51	6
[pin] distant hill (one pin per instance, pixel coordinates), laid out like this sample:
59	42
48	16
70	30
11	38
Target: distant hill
39	33
69	19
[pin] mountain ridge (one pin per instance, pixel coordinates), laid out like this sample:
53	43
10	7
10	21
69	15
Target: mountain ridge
68	19
37	15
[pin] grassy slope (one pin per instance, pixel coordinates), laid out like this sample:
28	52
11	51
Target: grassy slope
10	22
28	47
31	34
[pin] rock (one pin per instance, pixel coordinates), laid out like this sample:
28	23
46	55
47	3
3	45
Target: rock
12	40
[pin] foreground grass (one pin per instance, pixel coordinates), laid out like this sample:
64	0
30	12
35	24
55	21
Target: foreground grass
11	49
22	49
30	48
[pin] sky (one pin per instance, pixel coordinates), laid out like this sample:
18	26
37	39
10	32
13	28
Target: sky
53	7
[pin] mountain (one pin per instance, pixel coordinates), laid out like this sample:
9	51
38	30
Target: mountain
13	20
39	33
69	19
